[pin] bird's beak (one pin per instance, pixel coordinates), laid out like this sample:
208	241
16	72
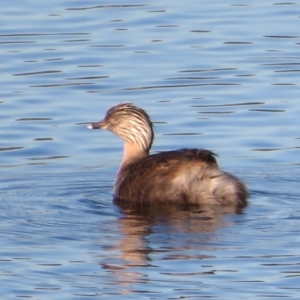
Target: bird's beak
97	125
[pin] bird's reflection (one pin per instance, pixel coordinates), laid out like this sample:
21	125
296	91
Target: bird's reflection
171	232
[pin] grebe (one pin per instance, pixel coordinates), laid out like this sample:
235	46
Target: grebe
184	177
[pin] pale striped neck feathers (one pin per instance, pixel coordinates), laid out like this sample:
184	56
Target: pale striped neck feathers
130	123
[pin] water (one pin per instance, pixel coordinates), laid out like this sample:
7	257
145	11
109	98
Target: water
215	74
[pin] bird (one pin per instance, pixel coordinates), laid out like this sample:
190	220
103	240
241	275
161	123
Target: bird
186	177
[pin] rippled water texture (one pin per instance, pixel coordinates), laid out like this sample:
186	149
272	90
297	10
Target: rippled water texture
214	74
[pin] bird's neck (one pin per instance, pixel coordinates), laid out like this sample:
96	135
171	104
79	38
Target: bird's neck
132	154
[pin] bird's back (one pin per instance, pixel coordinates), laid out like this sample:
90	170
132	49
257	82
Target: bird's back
184	177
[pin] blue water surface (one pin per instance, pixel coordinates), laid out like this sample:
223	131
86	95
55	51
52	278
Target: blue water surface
214	74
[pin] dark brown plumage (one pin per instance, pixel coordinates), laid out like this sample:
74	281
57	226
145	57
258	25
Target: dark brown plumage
183	177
